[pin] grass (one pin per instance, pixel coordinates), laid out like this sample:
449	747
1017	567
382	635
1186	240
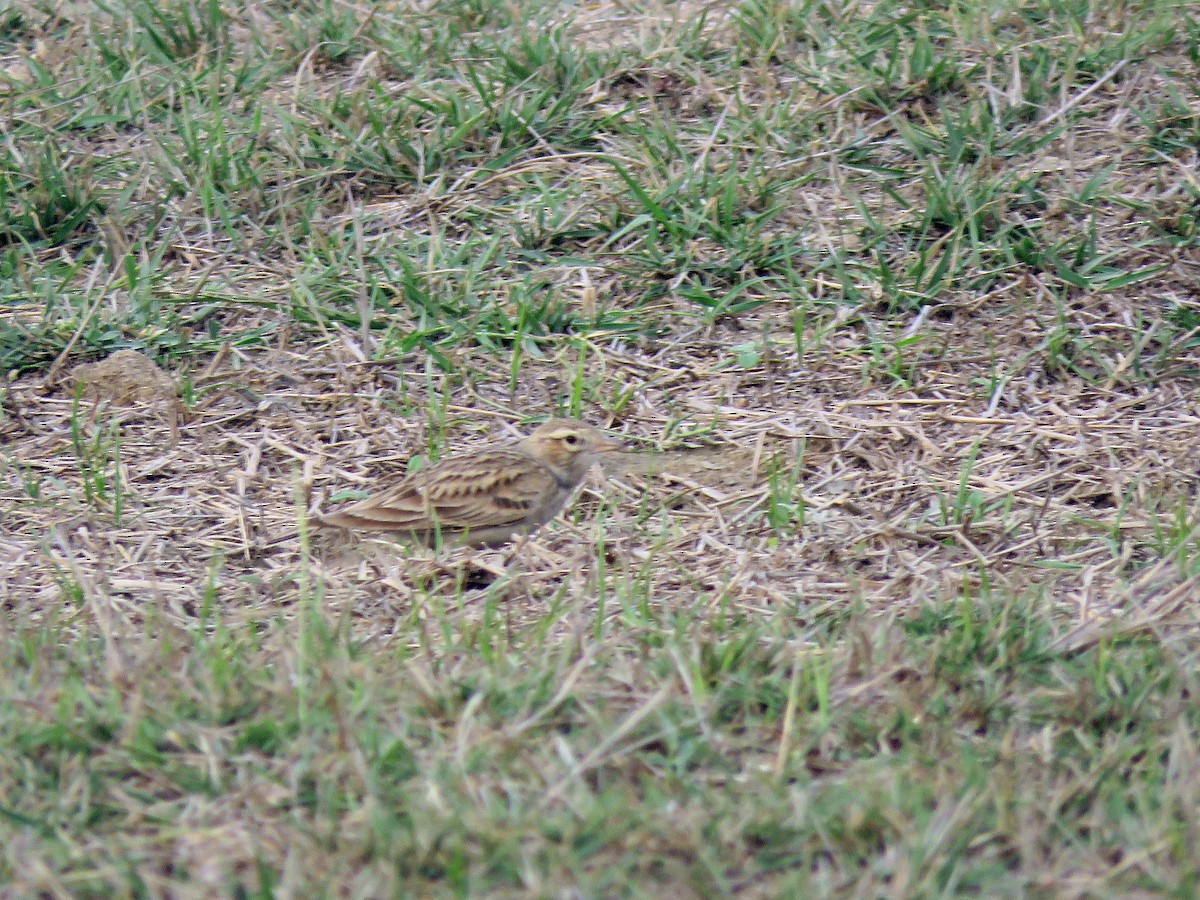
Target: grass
894	302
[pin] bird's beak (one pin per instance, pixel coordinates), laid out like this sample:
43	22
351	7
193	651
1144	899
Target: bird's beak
609	445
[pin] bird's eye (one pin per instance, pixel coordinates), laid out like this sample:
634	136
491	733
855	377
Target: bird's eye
571	440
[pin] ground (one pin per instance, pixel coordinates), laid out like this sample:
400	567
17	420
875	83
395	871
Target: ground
895	306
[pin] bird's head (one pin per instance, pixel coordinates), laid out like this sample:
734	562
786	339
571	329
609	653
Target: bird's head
568	445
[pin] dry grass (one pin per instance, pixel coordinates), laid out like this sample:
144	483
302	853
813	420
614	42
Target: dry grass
907	493
895	595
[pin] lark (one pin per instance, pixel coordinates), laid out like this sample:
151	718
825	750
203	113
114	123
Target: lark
485	498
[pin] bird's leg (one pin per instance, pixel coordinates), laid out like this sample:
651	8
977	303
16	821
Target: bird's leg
516	551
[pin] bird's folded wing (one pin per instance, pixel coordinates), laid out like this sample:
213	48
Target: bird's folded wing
494	488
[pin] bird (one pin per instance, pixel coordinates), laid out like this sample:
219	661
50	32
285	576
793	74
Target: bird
485	498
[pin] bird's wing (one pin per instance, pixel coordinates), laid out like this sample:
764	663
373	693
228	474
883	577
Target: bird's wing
491	489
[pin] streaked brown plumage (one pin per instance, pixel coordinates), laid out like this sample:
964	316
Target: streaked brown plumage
486	497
